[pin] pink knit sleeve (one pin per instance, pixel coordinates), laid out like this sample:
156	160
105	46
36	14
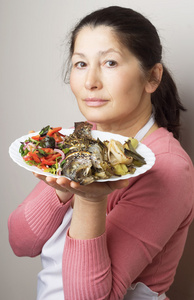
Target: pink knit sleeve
89	267
35	220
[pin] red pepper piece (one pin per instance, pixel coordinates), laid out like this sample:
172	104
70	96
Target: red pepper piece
48	150
54	156
57	137
27	157
47	162
34	156
36	137
53	130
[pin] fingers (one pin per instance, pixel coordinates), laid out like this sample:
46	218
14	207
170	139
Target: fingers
49	180
91	191
97	189
62	185
94	192
63	181
41	177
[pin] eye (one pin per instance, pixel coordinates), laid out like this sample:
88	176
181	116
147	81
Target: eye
80	64
111	63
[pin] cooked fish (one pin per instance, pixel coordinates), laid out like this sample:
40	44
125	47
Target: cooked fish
85	161
78	167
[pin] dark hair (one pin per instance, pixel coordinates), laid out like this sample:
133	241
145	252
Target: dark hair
139	35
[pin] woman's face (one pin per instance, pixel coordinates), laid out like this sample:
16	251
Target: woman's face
106	79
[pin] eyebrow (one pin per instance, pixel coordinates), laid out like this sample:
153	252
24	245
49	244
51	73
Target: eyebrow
101	53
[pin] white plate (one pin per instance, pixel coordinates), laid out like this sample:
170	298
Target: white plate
142	149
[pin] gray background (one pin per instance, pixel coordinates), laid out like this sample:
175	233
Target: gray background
32	95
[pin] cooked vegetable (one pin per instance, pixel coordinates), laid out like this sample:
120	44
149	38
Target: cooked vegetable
48	142
51	131
121	169
79	156
44	131
44	151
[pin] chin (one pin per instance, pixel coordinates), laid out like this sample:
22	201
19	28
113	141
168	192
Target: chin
95	117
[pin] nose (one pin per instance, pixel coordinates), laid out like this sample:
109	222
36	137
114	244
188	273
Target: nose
93	80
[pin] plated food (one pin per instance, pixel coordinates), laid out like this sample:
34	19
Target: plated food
82	154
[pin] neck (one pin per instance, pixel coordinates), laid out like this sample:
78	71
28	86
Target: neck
127	128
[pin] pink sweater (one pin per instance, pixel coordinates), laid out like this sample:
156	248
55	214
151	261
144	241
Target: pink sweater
147	225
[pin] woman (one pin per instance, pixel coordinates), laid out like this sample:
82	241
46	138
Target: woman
114	240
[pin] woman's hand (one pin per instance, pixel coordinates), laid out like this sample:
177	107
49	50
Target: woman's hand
96	191
61	188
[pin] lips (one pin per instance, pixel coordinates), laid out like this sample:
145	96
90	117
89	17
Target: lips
95	102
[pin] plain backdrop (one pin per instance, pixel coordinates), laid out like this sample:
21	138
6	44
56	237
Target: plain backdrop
33	95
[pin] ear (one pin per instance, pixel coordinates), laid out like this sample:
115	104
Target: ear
155	76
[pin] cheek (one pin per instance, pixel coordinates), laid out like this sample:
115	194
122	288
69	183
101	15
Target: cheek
133	86
122	87
127	92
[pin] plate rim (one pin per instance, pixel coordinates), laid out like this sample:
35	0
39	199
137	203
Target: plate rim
150	158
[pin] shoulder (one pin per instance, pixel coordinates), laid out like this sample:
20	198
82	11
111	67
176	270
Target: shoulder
168	151
173	166
162	141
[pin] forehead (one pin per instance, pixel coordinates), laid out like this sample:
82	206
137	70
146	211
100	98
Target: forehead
100	36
